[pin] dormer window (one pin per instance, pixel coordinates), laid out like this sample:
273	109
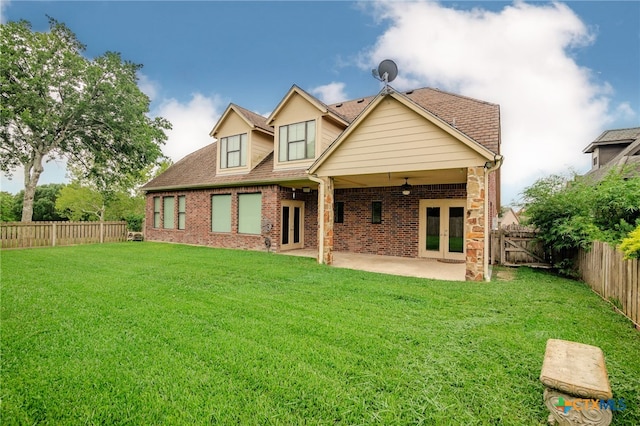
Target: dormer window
297	141
233	151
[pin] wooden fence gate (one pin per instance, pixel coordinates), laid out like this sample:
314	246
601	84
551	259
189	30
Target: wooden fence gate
516	245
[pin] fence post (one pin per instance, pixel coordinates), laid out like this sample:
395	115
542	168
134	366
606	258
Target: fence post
101	232
53	234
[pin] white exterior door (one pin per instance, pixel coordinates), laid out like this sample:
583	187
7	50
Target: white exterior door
442	229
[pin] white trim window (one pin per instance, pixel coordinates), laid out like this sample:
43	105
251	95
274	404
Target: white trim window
297	141
233	151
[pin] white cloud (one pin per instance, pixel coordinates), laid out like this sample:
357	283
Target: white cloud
330	93
3	6
148	86
191	123
520	58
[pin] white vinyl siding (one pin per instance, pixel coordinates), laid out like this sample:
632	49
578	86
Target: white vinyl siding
297	141
221	213
169	219
233	151
182	211
249	213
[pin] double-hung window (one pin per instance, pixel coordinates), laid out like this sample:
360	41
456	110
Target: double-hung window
182	211
156	212
233	151
297	141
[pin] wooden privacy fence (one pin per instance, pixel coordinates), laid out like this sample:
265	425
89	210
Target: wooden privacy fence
42	234
615	279
516	245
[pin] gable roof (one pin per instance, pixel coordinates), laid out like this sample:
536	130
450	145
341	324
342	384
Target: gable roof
477	119
321	106
412	105
614	137
253	120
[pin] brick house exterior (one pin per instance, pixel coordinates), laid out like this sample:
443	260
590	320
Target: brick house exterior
329	177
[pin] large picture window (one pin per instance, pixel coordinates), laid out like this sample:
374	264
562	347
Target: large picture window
297	141
221	213
169	215
233	151
249	213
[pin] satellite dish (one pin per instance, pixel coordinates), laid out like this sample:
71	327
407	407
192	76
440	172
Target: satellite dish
387	71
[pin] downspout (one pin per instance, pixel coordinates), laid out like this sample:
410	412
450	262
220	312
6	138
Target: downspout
497	162
321	189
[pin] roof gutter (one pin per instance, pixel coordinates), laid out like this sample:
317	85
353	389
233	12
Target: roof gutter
489	167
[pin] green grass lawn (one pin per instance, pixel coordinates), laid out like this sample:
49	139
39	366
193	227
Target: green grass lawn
146	333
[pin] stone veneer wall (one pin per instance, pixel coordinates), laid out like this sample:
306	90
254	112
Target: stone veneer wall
475	224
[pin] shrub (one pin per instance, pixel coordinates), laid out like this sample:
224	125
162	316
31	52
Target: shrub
630	246
134	222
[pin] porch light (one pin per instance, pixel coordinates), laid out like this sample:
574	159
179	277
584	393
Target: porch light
406	188
306	189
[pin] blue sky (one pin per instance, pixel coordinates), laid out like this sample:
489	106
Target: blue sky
561	72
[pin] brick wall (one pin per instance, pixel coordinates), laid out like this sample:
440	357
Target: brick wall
198	218
397	235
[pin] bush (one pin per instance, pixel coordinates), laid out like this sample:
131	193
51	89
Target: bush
134	222
631	245
571	211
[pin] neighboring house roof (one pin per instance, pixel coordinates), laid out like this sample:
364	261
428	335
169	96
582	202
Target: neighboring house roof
629	156
614	137
478	120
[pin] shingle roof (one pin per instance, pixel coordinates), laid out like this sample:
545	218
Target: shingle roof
256	119
614	136
198	170
477	119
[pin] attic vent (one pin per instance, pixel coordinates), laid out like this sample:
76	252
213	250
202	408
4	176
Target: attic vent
360	100
409	92
338	106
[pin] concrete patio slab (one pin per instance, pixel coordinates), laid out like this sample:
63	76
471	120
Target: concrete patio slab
408	267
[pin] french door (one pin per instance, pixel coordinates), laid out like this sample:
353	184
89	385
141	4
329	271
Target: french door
292	225
442	229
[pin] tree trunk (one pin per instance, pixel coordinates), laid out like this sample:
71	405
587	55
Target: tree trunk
32	174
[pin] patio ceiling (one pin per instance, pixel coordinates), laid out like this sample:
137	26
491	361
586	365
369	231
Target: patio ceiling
423	177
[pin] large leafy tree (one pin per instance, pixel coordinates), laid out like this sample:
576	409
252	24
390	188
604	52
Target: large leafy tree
58	104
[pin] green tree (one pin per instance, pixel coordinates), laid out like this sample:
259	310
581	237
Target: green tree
7	207
571	212
78	203
58	104
44	202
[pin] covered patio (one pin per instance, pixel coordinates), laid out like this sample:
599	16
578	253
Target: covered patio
392	265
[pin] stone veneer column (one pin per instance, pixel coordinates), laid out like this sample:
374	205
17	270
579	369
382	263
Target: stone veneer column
475	224
327	220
